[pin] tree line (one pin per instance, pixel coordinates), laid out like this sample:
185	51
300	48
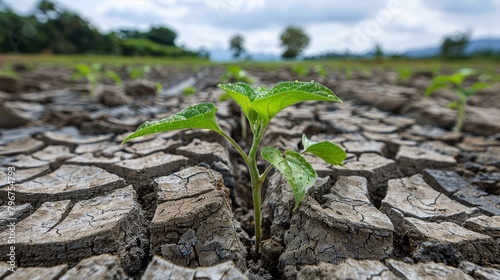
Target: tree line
51	28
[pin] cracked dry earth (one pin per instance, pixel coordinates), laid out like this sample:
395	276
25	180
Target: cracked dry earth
415	201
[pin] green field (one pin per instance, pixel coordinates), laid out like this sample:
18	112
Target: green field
415	64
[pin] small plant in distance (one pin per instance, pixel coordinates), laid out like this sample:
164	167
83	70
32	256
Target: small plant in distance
348	73
259	108
321	70
138	72
7	72
300	70
234	73
404	74
456	80
189	90
93	74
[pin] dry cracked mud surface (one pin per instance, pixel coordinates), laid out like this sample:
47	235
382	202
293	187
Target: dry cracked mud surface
414	200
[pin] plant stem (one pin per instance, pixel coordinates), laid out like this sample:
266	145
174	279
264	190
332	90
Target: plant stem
255	178
256	188
460	110
256	192
235	145
460	118
264	175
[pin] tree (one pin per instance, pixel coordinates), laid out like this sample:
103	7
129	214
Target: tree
236	45
46	10
294	40
161	35
453	47
378	53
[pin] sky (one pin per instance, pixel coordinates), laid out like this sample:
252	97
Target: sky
332	25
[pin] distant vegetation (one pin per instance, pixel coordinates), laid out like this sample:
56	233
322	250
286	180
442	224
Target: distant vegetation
53	29
453	47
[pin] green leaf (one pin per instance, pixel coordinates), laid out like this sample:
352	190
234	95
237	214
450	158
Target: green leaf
434	87
325	150
224	97
269	104
453	105
201	115
83	69
479	86
458	77
114	76
242	93
295	168
159	87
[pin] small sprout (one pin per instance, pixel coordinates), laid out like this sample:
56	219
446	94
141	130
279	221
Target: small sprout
463	92
93	74
300	70
404	74
114	76
321	70
189	90
9	73
348	73
234	73
138	72
259	107
159	87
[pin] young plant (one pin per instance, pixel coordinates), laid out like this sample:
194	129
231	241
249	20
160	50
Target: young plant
321	70
300	70
6	72
260	107
234	73
93	74
138	72
456	80
404	74
188	90
348	73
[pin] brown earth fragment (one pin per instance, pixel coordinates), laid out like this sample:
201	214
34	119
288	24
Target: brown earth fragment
350	269
344	225
161	269
428	270
412	197
193	224
449	243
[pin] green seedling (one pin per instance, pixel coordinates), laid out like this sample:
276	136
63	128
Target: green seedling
189	90
348	73
94	74
139	72
404	74
159	87
300	70
260	107
9	73
321	70
234	73
456	80
367	72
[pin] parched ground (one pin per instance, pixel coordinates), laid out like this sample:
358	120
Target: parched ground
415	201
